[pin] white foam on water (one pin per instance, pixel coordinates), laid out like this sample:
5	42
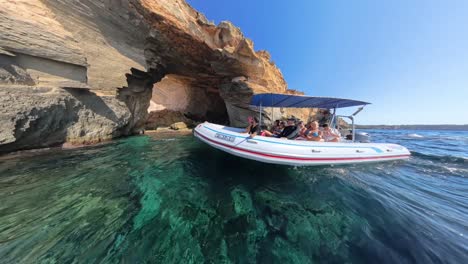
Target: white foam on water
452	170
339	171
456	170
414	135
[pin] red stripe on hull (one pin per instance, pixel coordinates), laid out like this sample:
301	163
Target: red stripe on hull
299	158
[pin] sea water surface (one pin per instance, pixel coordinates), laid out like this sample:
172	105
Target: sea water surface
177	200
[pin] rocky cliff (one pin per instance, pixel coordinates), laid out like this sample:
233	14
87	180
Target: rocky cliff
60	65
216	67
49	116
84	71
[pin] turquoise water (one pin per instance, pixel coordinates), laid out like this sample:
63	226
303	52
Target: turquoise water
176	200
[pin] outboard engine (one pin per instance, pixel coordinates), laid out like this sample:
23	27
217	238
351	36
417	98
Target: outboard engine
361	137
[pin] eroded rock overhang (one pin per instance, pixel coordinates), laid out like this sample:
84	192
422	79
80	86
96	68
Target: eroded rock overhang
68	58
210	71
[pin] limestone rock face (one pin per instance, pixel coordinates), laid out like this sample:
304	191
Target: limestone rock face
164	118
132	63
28	27
84	42
49	47
221	64
179	126
43	117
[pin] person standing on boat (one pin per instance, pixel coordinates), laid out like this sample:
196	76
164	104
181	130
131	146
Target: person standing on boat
254	128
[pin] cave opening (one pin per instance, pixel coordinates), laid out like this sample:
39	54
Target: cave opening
179	98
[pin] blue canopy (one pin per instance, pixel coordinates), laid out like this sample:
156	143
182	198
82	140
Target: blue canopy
301	101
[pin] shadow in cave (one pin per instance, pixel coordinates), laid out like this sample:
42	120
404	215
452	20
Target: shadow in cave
177	96
51	68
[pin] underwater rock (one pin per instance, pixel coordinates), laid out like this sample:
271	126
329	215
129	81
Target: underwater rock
242	202
314	232
242	228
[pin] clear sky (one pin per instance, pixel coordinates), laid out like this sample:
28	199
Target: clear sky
409	58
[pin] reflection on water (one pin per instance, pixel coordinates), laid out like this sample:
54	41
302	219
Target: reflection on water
176	200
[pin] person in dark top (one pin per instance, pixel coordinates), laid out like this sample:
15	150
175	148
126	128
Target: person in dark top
290	131
253	129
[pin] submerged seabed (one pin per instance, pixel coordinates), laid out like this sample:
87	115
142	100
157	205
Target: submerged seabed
177	200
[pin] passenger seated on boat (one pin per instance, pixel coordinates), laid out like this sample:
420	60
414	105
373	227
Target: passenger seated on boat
275	126
302	128
303	131
314	133
253	129
329	135
276	130
279	129
338	131
291	131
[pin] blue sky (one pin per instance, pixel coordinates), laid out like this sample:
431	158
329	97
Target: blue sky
408	58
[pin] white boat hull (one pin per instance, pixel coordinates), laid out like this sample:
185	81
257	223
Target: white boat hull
295	152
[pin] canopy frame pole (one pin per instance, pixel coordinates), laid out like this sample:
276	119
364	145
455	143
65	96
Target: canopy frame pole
272	114
354	129
260	116
333	118
272	117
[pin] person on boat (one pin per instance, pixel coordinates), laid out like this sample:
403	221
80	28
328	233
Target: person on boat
275	126
302	128
314	133
303	131
276	129
291	131
279	129
329	135
254	128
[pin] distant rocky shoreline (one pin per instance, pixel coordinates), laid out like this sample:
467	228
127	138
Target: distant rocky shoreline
416	127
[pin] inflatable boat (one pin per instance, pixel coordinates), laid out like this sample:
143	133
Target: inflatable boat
298	152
